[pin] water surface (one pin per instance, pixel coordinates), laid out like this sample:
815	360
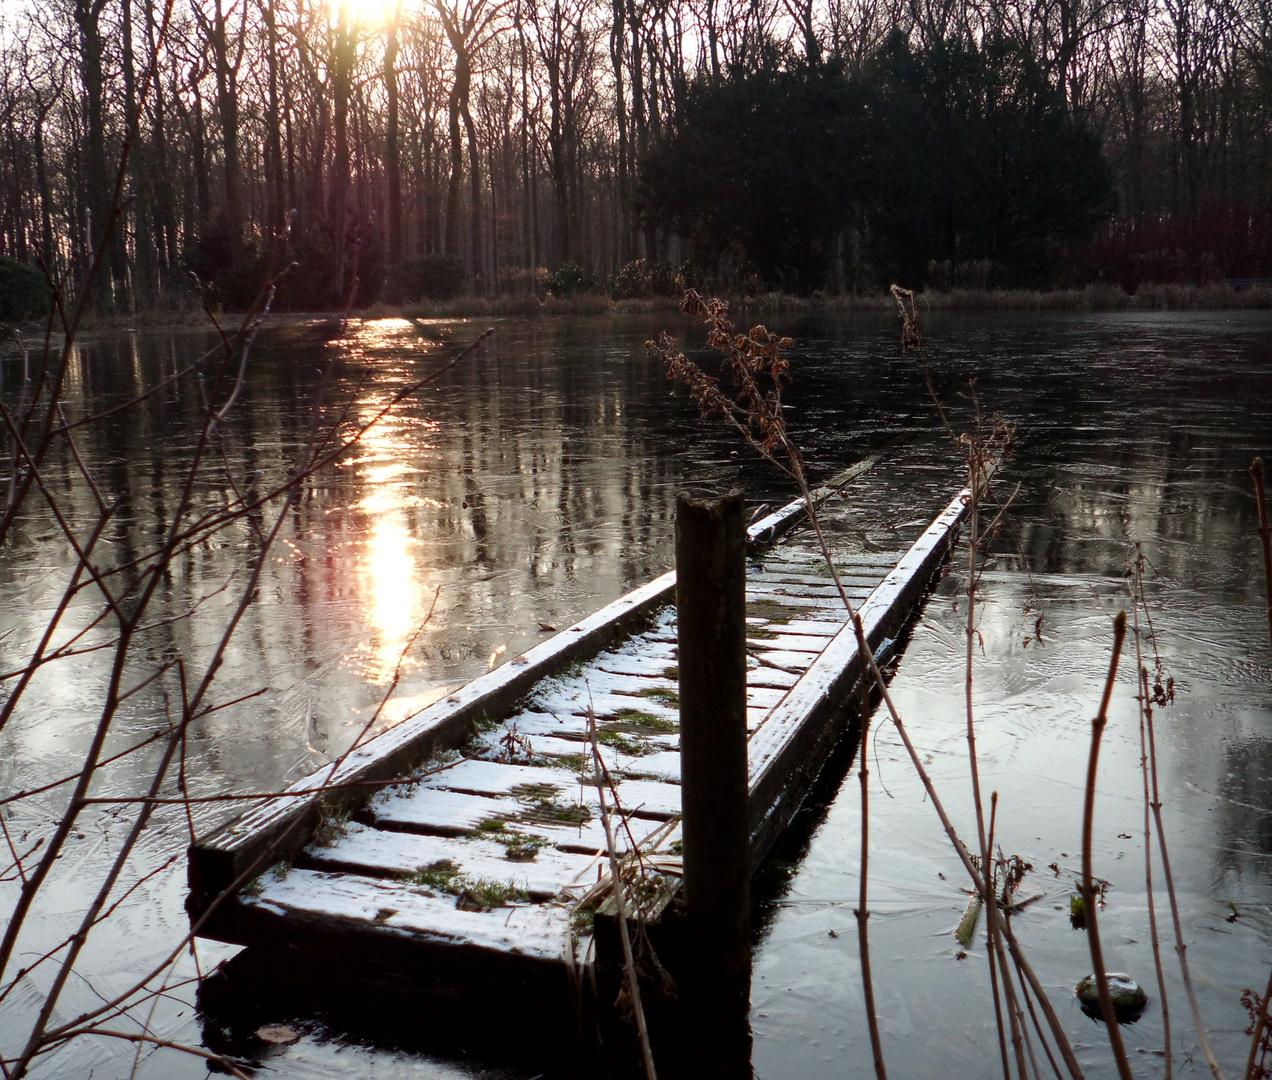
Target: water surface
537	481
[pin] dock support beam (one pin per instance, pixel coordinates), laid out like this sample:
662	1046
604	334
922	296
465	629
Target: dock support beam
711	626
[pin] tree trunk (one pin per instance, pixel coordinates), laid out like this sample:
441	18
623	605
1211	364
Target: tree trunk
341	75
97	195
392	149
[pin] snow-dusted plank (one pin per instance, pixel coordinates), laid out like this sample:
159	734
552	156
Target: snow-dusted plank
528	782
477	777
345	901
774	637
824	592
784	658
607	707
763	697
546	750
764	676
447	813
536	722
655	662
826	628
426	812
663	765
365	850
757	604
608	682
849	581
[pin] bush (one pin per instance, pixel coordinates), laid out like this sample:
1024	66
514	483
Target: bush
437	276
23	290
570	280
521	279
644	278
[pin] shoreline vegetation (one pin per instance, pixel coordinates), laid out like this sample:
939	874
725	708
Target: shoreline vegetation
1149	297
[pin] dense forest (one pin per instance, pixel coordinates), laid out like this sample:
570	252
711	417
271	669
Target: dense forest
393	149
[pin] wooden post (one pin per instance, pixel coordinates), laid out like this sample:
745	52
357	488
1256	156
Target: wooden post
711	620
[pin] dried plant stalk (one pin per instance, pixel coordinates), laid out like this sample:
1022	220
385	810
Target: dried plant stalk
1088	880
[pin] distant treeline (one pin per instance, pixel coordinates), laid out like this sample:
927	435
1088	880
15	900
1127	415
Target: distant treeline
397	149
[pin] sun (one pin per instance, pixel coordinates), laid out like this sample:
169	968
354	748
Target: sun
369	14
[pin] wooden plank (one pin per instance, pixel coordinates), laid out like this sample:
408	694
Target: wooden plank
444	813
777	639
784	658
384	854
856	581
766	676
350	902
439	812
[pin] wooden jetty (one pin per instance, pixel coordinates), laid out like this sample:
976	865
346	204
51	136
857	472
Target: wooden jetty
464	847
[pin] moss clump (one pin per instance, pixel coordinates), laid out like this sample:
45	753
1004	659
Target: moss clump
551	812
472	894
672	673
669	697
646	721
621	743
333	824
760	633
535	792
575	763
485	894
442	875
582	919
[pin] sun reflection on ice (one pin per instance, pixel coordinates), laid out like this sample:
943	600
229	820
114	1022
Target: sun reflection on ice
390	568
395	595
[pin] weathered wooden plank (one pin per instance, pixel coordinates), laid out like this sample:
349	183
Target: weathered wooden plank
853	581
777	639
444	813
826	628
809	560
655	663
412	913
380	853
551	787
763	604
764	676
826	591
785	658
547	750
600	681
473	776
610	708
663	765
439	812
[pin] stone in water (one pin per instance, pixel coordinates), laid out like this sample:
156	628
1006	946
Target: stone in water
1128	996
